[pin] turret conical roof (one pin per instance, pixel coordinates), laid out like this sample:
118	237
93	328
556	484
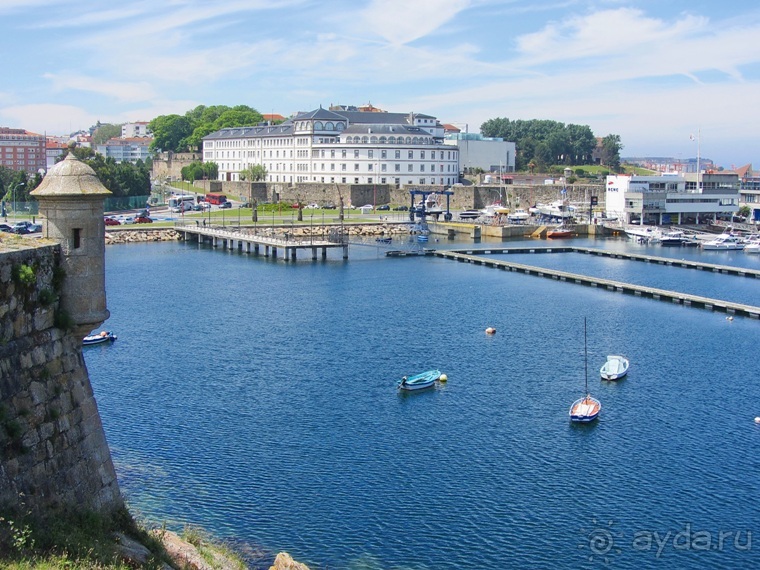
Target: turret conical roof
70	177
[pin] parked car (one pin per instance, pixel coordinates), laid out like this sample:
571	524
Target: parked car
312	207
111	221
329	206
401	208
129	220
34	228
22	227
225	205
6	228
384	207
143	220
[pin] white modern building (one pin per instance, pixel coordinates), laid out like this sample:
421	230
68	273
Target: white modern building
342	145
135	130
488	153
672	198
126	150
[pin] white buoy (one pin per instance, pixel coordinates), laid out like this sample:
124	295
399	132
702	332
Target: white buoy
729	318
490	330
757	420
443	378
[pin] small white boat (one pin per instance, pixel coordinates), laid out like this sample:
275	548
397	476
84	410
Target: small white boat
419	381
99	338
615	368
519	215
752	245
723	242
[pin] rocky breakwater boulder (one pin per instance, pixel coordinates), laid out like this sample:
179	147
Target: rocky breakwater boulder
141	235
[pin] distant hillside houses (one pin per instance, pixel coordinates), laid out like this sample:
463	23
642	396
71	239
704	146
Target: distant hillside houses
126	149
667	164
341	145
135	130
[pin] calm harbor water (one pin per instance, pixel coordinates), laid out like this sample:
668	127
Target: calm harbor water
257	399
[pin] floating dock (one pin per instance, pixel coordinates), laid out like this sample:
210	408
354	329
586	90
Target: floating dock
473	256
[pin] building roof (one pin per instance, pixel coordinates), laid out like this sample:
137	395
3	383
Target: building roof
273	117
395	130
70	177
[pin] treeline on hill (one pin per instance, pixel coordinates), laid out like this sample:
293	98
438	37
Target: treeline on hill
542	143
183	133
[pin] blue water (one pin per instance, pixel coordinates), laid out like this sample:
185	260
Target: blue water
257	398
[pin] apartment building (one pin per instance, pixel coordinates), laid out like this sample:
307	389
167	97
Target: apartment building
22	150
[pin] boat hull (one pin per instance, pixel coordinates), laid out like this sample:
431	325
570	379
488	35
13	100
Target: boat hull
101	338
585	410
615	368
419	381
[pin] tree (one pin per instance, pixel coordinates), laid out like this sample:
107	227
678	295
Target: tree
104	132
169	131
180	133
254	173
544	141
611	148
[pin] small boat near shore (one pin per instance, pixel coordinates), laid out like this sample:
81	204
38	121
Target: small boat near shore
560	232
615	368
419	381
99	338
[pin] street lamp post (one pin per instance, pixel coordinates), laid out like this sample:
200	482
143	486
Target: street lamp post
13	193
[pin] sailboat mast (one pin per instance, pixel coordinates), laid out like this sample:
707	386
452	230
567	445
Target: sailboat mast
585	354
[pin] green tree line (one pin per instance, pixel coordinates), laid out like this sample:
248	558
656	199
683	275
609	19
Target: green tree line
181	133
542	143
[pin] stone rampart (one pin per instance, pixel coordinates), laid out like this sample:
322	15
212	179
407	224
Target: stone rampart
53	450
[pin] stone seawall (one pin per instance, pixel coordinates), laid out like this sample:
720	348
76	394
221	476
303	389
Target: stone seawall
53	450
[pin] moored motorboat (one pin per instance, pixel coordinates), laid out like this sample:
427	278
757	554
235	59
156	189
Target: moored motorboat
723	242
519	215
419	381
99	338
615	368
384	239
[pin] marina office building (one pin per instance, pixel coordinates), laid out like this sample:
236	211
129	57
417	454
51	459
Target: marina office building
678	198
340	145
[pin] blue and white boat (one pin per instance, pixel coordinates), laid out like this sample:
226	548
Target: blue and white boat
615	368
99	338
419	381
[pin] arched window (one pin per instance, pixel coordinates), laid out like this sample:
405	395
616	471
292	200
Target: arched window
365	139
340	127
373	140
329	126
408	140
391	140
318	126
349	140
383	140
415	140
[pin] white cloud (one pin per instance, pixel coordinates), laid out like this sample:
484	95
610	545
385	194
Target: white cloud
403	21
118	90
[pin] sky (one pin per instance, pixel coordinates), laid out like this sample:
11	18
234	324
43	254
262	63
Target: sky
673	79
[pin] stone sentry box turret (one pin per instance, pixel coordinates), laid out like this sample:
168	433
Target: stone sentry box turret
71	202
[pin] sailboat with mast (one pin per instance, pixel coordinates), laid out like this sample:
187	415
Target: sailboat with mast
585	409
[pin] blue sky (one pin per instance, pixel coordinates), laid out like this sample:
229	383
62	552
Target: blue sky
650	71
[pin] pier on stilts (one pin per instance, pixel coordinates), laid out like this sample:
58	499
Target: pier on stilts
247	241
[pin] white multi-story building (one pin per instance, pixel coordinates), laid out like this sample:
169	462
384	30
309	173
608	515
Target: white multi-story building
126	150
488	153
672	198
135	130
342	146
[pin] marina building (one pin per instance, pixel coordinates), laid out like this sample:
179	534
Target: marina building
678	198
340	145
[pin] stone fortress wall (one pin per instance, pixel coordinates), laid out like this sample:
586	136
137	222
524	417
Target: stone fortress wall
53	450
